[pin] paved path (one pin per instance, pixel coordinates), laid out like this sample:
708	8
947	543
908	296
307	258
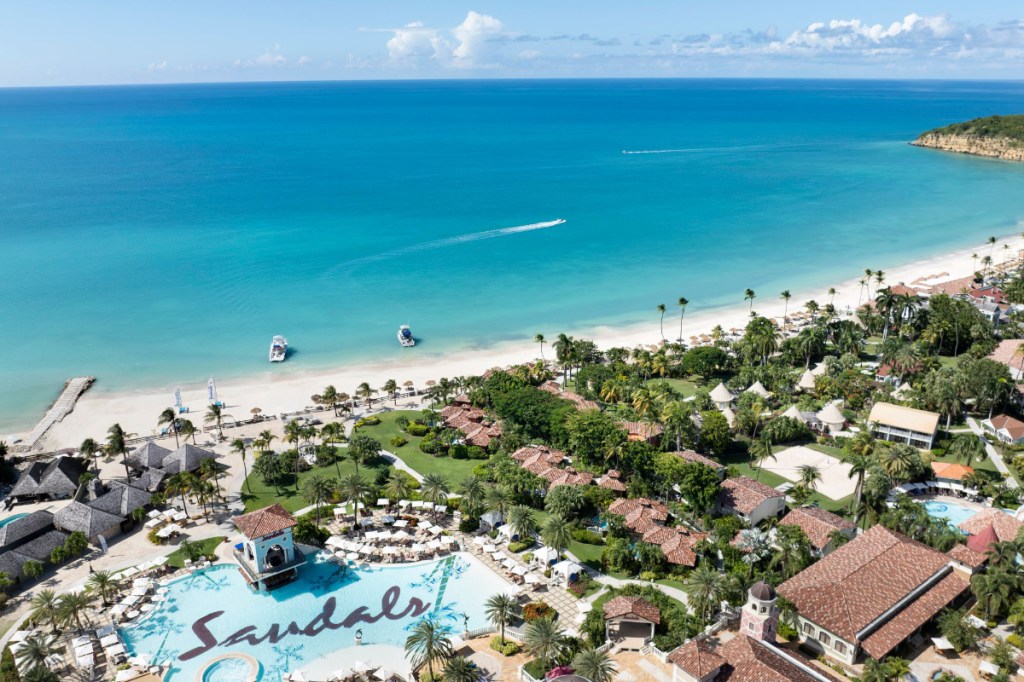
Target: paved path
993	454
610	581
397	462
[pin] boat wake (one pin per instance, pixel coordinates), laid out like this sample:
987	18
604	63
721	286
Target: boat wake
706	150
460	239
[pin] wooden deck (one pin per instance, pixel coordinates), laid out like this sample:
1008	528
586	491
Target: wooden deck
73	390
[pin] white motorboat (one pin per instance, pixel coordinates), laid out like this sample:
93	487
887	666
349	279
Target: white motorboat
278	349
405	336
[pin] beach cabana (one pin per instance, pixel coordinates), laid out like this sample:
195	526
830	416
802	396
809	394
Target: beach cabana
758	389
721	396
831	417
793	413
806	382
570	570
730	417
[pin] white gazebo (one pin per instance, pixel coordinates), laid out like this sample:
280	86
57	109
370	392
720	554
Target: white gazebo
793	413
758	389
569	570
545	556
806	382
730	417
832	418
721	396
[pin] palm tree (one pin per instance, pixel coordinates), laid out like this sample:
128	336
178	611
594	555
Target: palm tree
707	588
991	241
33	653
170	417
995	591
810	476
329	397
749	295
180	484
594	665
357	491
859	465
239	445
215	415
72	606
968	447
498	501
186	428
661	309
473	492
365	392
682	311
760	450
897	460
90	448
117	444
44	608
544	639
831	295
318	489
390	387
557	533
539	338
435	489
203	491
398	486
460	669
522	522
103	584
428	644
267	437
785	296
501	610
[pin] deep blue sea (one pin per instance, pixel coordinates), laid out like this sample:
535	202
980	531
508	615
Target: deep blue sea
152	236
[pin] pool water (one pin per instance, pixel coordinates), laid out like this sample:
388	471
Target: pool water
953	513
13	517
232	669
213	612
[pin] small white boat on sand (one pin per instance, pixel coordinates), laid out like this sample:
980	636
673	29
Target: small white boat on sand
278	349
405	336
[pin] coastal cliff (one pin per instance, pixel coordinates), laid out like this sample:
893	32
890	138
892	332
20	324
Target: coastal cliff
1000	137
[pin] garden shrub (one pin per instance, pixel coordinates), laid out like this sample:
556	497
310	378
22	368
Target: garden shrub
398	441
506	648
536	669
459	452
477	452
372	420
8	670
415	429
536	610
587	537
469	524
519	546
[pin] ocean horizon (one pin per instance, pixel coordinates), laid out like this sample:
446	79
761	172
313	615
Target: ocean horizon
157	235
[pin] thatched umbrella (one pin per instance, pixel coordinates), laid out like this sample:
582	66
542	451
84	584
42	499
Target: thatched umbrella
408	384
255	410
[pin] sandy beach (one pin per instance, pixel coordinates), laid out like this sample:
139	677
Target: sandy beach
137	411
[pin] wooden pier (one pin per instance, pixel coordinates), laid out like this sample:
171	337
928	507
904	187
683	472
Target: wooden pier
73	390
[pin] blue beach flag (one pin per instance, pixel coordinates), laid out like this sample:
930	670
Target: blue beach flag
211	390
177	397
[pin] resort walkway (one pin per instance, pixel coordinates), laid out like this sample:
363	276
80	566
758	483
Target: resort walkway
993	454
396	461
605	579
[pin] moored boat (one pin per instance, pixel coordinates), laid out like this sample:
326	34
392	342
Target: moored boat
405	336
278	349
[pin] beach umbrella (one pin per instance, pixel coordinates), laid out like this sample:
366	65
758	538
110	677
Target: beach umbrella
431	382
408	384
255	410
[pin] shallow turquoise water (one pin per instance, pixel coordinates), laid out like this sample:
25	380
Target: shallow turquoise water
153	236
953	513
169	633
12	517
229	670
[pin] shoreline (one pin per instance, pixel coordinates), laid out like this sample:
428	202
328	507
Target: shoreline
137	410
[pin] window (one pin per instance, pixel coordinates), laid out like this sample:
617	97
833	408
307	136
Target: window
808	629
840	648
824	638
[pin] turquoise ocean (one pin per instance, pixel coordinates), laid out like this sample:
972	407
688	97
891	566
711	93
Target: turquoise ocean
153	236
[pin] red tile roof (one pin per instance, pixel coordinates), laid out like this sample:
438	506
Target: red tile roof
816	523
750	660
982	541
691	456
696	658
745	494
967	556
860	581
1008	353
636	606
641	430
677	544
264	522
1005	526
1014	427
912	616
953	471
627	505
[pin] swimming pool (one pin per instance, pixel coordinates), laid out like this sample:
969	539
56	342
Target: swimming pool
12	517
952	512
213	612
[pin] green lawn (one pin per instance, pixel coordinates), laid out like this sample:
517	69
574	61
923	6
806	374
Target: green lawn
455	469
209	545
671	582
263	495
981	465
685	387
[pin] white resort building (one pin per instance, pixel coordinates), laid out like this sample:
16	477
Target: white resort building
899	424
268	556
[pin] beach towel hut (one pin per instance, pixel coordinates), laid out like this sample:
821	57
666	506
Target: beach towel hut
570	570
758	389
832	418
806	382
721	396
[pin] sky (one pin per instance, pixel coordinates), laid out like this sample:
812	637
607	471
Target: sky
81	42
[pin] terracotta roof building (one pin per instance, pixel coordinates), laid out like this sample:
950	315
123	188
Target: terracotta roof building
612	481
951	471
264	522
966	559
697	458
677	543
750	499
818	525
576	399
1010	352
639	513
1003	526
1005	428
642	431
871	594
630	621
267	556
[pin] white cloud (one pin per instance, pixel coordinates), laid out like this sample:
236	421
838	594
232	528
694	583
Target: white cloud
415	42
303	60
529	54
477	46
269	59
158	66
